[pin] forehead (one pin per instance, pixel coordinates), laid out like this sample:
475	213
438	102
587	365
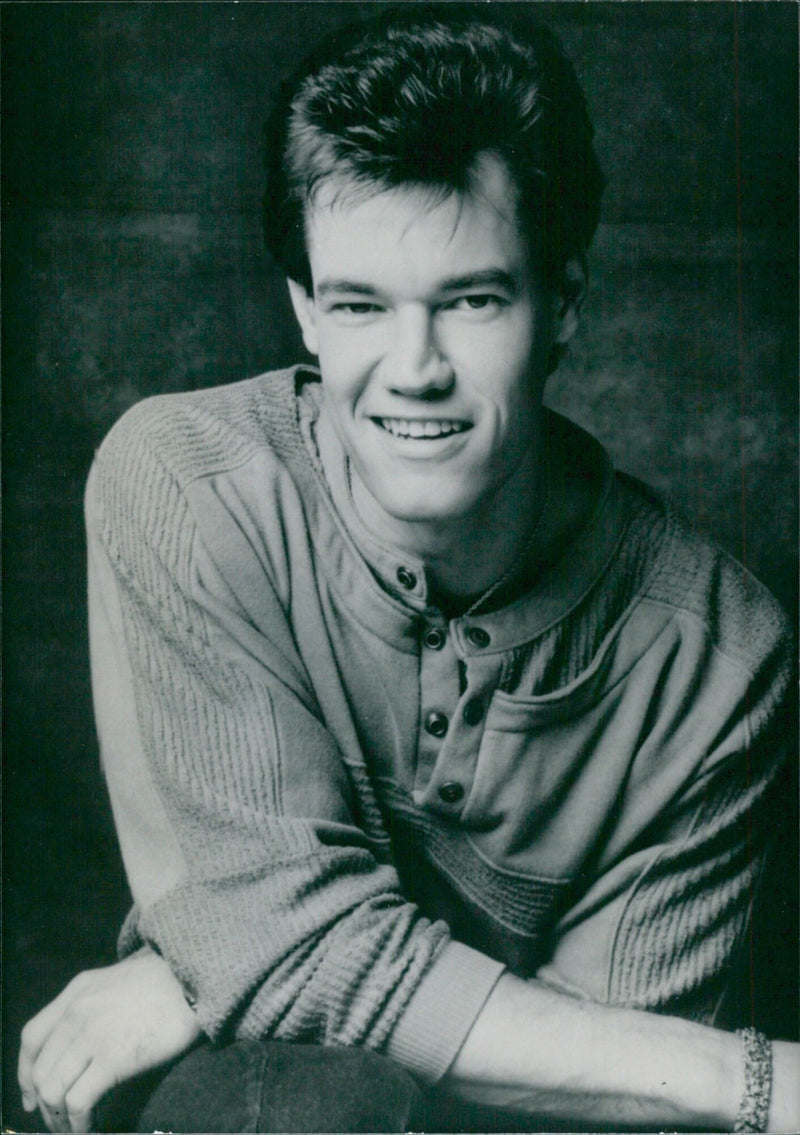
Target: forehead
416	232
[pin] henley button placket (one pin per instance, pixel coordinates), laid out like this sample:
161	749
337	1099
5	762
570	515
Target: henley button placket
436	724
451	791
478	637
406	578
434	638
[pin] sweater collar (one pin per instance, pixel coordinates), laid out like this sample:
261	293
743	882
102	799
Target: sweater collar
558	584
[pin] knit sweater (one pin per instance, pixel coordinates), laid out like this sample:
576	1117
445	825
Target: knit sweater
342	815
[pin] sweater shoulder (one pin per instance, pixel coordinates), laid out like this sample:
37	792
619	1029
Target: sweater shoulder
137	499
200	433
693	575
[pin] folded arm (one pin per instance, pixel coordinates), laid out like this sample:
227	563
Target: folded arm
254	869
531	1049
272	898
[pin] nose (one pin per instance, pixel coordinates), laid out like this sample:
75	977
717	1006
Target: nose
418	367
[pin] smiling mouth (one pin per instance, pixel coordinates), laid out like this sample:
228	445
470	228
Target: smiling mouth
425	429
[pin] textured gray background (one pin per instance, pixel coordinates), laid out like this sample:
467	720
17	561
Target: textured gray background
133	265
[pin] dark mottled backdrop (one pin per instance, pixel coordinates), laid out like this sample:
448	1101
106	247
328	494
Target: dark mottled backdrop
133	265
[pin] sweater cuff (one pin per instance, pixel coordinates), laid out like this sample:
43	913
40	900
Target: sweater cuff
443	1009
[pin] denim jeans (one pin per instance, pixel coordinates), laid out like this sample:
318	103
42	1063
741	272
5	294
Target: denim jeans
271	1086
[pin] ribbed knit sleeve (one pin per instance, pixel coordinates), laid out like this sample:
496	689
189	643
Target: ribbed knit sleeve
667	915
682	930
275	910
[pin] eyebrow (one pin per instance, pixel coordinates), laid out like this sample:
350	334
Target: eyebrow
328	287
486	277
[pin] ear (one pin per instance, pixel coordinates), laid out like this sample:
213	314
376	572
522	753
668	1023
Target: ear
574	283
306	312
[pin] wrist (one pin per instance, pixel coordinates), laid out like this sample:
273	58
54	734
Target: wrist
720	1080
784	1111
693	1074
687	1074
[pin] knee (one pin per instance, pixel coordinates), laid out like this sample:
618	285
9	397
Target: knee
268	1086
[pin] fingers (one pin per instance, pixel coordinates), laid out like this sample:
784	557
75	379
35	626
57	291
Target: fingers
55	1053
67	1092
34	1035
54	1120
75	1112
40	1027
108	1025
61	1063
85	1093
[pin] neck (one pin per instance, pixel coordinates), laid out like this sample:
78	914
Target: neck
467	555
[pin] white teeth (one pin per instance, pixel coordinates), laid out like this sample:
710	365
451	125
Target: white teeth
401	427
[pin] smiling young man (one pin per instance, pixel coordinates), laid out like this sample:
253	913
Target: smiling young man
425	732
433	328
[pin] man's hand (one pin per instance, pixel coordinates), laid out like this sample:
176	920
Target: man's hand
784	1110
108	1025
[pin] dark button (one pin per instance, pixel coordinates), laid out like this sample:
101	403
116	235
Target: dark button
451	791
478	636
436	724
473	711
433	638
406	578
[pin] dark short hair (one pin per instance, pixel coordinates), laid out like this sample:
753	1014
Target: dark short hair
415	97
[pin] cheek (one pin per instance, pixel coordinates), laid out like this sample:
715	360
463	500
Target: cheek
345	364
504	356
337	382
512	384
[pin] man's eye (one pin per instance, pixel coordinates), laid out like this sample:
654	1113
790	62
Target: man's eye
477	303
356	308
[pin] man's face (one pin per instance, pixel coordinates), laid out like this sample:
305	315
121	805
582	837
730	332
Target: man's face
432	332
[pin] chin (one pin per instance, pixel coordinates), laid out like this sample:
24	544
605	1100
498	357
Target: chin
426	507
